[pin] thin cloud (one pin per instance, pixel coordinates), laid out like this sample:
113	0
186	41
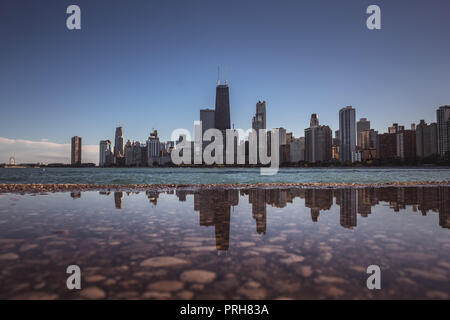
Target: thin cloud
44	151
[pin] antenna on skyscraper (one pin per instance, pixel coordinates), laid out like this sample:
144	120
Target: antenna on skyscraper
218	75
226	77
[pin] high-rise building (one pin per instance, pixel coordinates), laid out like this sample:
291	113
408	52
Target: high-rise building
395	128
335	147
76	151
104	153
259	119
368	144
387	146
361	125
369	139
314	121
347	133
153	148
222	111
297	150
443	129
318	142
426	139
259	123
119	151
406	144
207	119
289	137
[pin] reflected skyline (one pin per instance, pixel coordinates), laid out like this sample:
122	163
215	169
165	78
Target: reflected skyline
214	206
300	243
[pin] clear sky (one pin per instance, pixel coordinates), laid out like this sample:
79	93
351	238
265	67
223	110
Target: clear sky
153	64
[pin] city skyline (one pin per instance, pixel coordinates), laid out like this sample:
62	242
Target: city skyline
299	57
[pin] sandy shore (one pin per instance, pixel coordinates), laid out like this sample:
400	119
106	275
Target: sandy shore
37	188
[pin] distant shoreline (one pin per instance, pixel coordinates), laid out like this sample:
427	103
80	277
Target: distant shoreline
422	166
41	188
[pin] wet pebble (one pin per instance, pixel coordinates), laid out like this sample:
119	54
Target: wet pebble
166	286
93	293
163	262
198	276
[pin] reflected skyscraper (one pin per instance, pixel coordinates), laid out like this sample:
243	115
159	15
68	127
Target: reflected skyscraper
348	208
444	207
118	198
258	200
75	194
318	199
214	208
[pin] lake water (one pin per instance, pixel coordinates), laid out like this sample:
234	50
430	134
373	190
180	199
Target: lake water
219	175
230	243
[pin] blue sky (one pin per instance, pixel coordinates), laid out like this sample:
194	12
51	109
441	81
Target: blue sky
153	64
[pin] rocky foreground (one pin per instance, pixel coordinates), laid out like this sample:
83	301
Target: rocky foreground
38	188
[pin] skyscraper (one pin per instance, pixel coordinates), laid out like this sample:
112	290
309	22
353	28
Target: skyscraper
259	119
76	151
318	141
426	139
104	153
153	149
347	133
361	125
207	119
443	129
119	144
222	111
406	144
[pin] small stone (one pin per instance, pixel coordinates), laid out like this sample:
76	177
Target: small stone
27	247
334	292
292	258
95	278
329	279
166	286
186	295
157	295
9	256
93	293
437	295
157	262
252	284
198	276
253	294
305	271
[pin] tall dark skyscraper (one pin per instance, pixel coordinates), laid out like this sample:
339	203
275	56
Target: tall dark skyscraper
76	151
119	143
222	112
347	133
443	129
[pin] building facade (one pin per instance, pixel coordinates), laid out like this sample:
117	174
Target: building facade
387	146
426	139
207	119
297	150
443	129
119	147
105	153
318	142
362	125
347	133
75	151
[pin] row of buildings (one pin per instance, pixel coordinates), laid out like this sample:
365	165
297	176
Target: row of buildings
152	152
214	206
354	141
